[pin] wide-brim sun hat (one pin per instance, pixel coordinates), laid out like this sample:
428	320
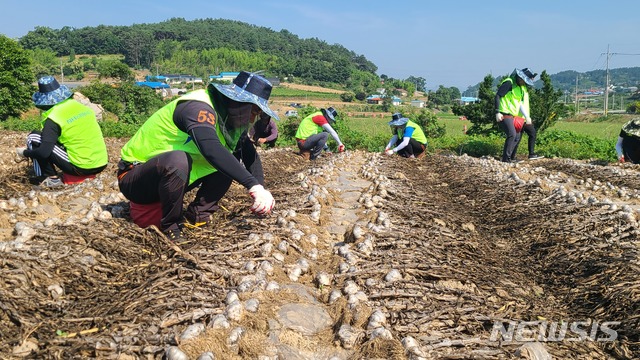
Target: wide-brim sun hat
526	75
249	88
50	92
398	120
330	114
632	127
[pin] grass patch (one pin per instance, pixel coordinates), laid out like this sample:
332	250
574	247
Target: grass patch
601	130
296	94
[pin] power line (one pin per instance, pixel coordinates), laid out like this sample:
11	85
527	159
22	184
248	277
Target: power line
606	89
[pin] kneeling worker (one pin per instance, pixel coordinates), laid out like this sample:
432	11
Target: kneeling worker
69	138
314	131
408	139
196	141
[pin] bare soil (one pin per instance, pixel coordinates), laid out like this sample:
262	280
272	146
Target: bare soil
444	247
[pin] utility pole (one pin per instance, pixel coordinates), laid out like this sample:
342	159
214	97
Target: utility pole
577	102
606	89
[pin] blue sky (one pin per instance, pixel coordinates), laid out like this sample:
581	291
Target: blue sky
450	43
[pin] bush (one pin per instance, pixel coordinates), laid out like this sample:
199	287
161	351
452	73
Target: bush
17	124
118	129
567	144
132	104
16	77
429	123
347	96
287	129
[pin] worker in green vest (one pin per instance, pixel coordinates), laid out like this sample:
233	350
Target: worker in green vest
512	99
408	139
69	137
313	132
198	141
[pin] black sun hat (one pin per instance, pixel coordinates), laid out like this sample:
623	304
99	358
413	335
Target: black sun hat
249	88
526	75
330	114
398	120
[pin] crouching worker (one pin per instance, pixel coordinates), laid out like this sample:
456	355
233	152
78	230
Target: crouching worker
628	145
69	137
195	141
264	131
314	131
408	139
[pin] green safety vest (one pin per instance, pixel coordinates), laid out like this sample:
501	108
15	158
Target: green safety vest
510	103
159	134
418	134
80	133
307	127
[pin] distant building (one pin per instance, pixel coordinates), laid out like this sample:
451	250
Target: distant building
465	100
224	76
173	79
159	87
374	99
230	75
417	103
377	99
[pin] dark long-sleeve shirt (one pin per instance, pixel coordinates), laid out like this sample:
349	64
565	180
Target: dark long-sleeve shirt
264	129
186	116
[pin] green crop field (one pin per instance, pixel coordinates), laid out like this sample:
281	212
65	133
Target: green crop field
296	94
376	126
606	130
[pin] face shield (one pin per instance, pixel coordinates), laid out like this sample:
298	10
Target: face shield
396	128
240	116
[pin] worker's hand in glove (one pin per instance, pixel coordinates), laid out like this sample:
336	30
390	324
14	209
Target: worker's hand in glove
499	117
528	121
621	159
389	152
263	201
341	148
20	151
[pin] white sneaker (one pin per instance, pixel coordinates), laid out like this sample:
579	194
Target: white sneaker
52	182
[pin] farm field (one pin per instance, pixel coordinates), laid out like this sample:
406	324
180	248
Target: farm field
455	126
365	256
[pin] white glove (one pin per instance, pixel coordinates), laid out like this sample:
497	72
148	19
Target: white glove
263	201
528	120
499	117
20	152
389	152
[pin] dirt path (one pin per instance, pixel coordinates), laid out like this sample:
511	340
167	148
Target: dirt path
365	257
